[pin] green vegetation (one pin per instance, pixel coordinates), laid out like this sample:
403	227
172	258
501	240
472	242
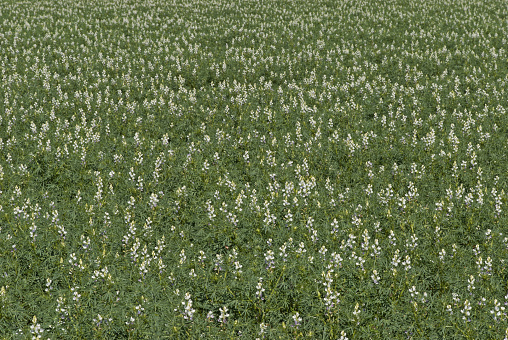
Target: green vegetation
253	169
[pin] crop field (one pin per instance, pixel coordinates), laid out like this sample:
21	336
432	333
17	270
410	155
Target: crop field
253	169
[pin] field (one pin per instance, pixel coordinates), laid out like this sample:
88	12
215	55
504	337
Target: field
253	169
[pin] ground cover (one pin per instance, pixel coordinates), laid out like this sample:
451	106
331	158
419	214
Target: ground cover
253	169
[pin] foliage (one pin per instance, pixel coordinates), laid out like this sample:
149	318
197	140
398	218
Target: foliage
245	169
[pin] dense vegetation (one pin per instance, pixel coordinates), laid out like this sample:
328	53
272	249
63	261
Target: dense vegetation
253	169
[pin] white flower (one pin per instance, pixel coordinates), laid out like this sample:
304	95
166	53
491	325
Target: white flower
223	314
297	319
343	336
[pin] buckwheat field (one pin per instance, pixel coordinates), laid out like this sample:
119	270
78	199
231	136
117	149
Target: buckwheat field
253	169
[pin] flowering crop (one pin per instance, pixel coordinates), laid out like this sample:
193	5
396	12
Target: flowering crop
275	169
